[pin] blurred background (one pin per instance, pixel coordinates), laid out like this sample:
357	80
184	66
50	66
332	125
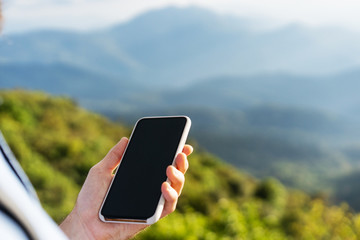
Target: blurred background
271	88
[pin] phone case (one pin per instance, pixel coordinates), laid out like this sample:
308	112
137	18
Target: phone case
161	202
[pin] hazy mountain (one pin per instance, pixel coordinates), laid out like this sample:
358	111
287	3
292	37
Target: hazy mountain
59	78
80	50
174	46
334	95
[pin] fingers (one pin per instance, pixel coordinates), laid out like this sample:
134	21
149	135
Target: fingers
112	159
188	149
176	178
176	175
171	197
181	162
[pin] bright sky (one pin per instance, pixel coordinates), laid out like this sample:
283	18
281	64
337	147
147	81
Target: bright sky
24	15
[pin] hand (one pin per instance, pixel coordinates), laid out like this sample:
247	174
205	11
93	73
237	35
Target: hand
83	222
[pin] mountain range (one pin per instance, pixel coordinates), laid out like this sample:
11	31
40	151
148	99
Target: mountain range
176	46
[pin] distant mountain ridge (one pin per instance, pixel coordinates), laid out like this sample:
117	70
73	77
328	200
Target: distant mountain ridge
175	46
64	79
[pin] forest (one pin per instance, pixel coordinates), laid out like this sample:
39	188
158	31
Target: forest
57	142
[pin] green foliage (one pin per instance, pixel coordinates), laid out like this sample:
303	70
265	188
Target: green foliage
57	142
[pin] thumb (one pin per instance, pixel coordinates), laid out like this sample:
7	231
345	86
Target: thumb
112	159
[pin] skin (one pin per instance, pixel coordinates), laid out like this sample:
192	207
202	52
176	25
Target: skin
83	222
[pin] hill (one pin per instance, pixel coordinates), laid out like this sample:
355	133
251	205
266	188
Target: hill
48	133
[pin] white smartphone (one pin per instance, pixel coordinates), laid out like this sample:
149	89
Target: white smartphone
134	195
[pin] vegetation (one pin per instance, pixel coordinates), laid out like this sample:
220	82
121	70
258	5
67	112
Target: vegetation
57	142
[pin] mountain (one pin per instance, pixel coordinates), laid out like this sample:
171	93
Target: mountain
60	78
176	46
335	93
56	143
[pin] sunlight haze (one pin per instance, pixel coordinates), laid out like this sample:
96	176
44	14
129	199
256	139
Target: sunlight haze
95	14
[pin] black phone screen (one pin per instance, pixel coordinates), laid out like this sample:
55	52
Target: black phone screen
136	189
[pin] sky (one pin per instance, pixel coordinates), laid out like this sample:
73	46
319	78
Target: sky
27	15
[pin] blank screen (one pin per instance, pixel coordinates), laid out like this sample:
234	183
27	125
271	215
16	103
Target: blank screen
136	189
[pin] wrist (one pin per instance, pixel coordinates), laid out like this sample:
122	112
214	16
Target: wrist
73	227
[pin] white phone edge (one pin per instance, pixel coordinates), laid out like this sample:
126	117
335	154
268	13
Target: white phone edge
153	219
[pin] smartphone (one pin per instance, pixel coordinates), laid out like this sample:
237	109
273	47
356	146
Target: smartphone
134	195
